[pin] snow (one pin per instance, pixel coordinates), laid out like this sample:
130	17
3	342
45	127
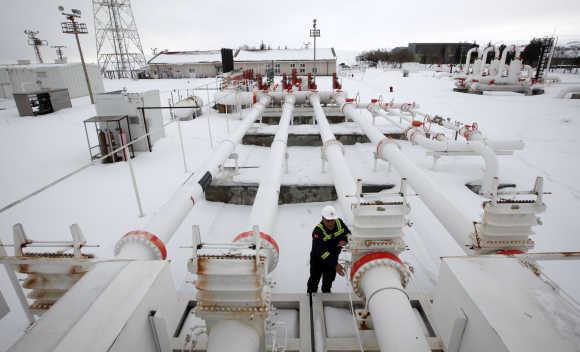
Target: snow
339	322
285	55
37	150
187	57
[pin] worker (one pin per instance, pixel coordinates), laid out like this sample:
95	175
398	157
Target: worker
328	238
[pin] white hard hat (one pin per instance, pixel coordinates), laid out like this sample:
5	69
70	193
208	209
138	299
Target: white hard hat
329	213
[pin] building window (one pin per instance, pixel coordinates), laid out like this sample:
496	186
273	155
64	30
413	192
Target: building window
278	65
314	70
302	65
277	71
302	70
292	65
191	70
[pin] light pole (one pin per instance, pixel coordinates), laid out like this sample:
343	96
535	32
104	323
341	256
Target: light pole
76	28
314	33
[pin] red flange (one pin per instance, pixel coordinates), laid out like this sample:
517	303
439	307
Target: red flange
263	235
152	238
373	256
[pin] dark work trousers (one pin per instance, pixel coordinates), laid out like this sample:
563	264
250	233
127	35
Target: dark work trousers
320	269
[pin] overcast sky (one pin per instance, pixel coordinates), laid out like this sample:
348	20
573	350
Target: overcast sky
354	25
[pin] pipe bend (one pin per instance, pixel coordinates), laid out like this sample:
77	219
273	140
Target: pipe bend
491	166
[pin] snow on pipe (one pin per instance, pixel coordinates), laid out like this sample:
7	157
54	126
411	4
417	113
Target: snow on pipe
265	208
376	110
150	243
457	224
416	136
378	276
332	150
447	146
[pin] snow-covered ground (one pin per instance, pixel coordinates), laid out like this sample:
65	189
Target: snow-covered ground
37	150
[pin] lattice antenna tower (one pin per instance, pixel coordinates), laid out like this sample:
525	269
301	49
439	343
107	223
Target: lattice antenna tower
119	50
35	42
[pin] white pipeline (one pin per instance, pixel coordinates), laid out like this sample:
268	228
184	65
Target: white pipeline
265	205
457	224
167	220
344	182
396	326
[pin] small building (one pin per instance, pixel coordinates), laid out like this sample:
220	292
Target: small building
283	61
440	53
38	77
141	121
186	64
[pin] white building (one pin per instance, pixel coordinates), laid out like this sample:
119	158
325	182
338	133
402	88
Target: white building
34	77
283	61
189	64
186	64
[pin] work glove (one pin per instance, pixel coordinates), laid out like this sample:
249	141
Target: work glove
339	269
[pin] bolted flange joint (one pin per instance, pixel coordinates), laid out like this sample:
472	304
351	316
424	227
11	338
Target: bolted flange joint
147	239
269	243
374	259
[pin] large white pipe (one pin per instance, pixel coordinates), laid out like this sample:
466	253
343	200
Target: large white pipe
484	57
396	326
468	58
265	205
344	182
167	220
457	224
232	335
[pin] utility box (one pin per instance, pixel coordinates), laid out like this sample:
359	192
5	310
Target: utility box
36	77
141	121
42	102
498	304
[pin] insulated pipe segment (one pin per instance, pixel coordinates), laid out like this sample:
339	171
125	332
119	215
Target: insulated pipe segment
333	152
265	208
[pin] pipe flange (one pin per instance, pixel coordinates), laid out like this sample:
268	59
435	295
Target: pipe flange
149	240
348	101
375	259
326	144
406	107
269	243
412	132
382	143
